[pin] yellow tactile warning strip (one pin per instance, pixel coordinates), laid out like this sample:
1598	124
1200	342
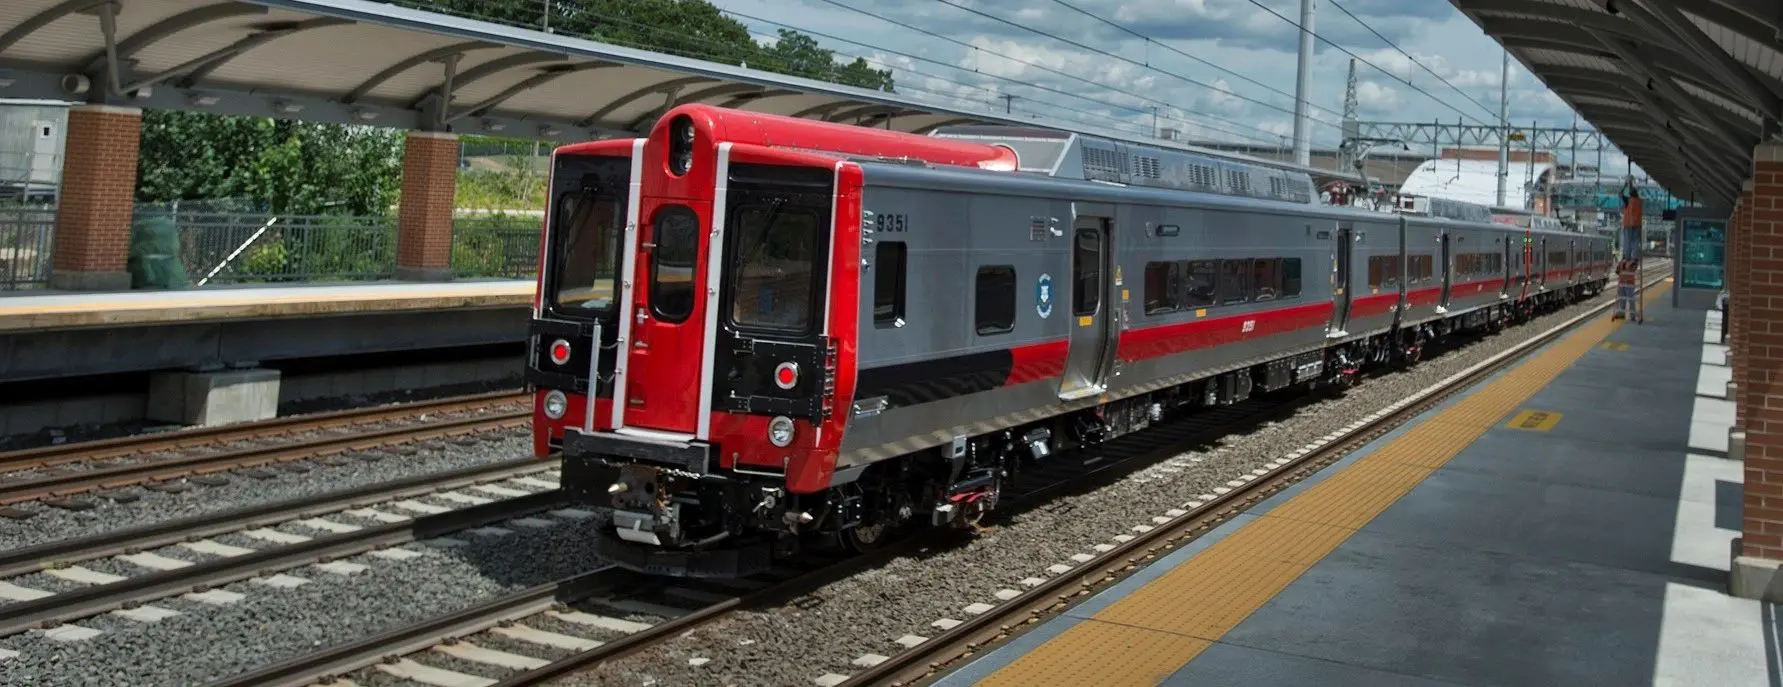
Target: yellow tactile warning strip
1143	638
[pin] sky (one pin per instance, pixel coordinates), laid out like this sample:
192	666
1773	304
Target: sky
1213	69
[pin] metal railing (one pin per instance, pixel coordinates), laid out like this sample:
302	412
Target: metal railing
243	247
240	248
496	246
26	232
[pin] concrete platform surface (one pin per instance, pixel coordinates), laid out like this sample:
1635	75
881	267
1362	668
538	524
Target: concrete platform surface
1568	522
56	310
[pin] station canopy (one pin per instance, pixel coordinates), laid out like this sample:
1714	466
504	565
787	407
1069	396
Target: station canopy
360	62
1686	88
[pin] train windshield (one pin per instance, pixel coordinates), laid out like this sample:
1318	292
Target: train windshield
774	268
587	228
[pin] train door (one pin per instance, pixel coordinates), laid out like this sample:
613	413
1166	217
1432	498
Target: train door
666	329
1448	280
1093	321
1541	263
1343	250
1504	290
1572	260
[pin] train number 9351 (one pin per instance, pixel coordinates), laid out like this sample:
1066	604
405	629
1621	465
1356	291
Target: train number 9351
895	223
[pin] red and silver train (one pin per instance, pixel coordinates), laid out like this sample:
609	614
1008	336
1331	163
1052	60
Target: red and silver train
753	328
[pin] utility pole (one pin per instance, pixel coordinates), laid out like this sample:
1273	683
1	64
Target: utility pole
1155	132
1303	86
1504	125
1008	103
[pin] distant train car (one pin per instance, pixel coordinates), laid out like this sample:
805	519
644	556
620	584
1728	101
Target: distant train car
751	328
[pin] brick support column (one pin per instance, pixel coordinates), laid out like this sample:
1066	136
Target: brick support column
92	244
1755	571
1739	295
429	187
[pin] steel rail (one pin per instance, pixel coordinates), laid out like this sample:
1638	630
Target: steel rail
67	484
111	543
124	447
89	601
1058	593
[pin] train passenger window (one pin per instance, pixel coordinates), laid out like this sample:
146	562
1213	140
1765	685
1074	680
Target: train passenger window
1266	277
1162	287
994	302
1383	271
774	266
1200	277
1086	272
1235	277
1290	277
888	284
676	234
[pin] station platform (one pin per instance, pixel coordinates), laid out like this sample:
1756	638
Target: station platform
41	310
1569	521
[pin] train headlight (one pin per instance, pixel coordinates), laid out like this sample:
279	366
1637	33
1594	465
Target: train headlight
556	404
780	431
560	352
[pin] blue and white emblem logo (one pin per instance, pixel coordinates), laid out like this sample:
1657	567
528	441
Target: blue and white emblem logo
1043	296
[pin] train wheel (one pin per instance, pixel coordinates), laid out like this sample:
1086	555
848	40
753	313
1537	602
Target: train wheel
865	538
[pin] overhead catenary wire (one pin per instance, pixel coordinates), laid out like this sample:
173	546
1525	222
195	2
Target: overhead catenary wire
1082	116
1363	60
1152	41
1127	60
1041	67
1027	84
1407	55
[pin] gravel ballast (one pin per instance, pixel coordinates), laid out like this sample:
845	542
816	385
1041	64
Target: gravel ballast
269	624
865	614
276	483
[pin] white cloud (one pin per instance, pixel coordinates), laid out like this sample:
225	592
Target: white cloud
1242	57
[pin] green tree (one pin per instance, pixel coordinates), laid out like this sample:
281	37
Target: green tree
292	167
307	168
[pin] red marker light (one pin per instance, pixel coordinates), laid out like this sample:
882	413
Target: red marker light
560	352
786	376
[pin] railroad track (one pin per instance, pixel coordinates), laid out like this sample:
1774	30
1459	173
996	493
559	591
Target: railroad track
935	656
595	616
153	459
322	529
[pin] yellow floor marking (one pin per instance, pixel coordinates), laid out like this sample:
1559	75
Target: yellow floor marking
1534	420
1614	346
1144	637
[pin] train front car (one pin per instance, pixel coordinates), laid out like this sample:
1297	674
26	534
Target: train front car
576	308
732	331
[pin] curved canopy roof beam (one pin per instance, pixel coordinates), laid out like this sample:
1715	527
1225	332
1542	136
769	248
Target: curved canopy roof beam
887	116
485	70
1664	20
748	98
45	18
406	64
824	109
946	122
1737	141
165	28
545	76
733	90
1670	69
669	86
280	30
859	112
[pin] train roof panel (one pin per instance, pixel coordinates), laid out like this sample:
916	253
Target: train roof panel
1074	156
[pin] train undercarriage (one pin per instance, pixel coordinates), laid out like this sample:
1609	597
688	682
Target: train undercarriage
671	516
